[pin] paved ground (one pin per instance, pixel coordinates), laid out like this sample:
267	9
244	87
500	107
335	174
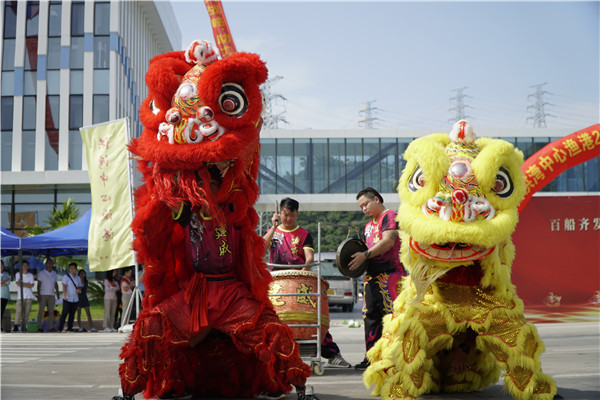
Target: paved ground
36	366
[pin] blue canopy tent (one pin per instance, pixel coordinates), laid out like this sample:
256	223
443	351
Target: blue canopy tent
71	239
9	243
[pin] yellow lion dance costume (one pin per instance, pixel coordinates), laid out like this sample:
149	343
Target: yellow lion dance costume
458	320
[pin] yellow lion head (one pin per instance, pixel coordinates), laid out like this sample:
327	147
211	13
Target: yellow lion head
459	198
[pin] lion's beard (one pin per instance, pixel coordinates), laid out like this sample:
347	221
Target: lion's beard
423	275
187	186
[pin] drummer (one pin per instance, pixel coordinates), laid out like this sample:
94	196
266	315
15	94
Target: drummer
384	269
290	244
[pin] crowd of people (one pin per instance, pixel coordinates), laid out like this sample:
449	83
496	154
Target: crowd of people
44	286
286	243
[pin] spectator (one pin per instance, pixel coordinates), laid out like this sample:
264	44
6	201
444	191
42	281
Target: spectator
71	288
84	303
384	269
126	292
110	301
27	284
47	289
5	293
290	244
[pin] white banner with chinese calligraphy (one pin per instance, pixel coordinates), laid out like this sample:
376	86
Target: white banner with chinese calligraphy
110	237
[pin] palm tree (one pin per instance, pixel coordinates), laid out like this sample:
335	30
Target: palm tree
58	218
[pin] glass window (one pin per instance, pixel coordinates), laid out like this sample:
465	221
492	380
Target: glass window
31	54
28	150
79	196
402	145
54	19
76	53
101	18
101	52
337	166
53	53
591	170
539	143
389	173
371	163
29	82
266	176
53	82
7	113
525	144
100	109
284	166
33	17
10	19
33	195
6	145
101	81
75	112
76	86
51	150
575	179
52	113
77	19
75	150
8	83
302	170
319	165
31	214
8	55
29	111
354	165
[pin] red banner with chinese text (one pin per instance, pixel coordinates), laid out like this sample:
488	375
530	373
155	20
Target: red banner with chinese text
556	157
557	264
220	28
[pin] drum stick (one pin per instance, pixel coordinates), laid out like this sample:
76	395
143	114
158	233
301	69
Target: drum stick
277	212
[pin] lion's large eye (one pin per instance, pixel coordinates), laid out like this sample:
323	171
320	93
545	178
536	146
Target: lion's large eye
417	180
233	100
503	185
155	110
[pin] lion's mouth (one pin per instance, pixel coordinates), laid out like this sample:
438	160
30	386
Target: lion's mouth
450	251
218	170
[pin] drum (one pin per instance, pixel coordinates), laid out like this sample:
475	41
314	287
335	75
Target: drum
300	309
344	256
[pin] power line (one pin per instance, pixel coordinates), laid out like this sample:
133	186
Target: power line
459	105
539	113
271	118
369	115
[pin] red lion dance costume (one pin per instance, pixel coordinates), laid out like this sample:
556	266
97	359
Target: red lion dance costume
207	327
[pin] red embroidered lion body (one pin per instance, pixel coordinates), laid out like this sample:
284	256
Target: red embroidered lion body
199	152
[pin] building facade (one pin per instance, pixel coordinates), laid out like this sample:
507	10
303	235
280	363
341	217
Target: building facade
66	65
325	169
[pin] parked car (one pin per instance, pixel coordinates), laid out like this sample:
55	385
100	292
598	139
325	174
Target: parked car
343	291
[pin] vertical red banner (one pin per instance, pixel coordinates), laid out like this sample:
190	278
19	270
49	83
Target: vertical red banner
220	28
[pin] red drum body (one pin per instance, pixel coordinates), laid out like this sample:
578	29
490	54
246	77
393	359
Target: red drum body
295	310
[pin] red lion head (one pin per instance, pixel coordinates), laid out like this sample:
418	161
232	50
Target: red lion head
202	122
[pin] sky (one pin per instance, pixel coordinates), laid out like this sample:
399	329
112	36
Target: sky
328	59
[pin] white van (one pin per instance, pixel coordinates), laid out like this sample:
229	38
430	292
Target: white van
342	290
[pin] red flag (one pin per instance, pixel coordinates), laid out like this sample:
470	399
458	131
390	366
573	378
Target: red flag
220	28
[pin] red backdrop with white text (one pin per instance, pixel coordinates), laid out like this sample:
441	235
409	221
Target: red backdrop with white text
557	264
